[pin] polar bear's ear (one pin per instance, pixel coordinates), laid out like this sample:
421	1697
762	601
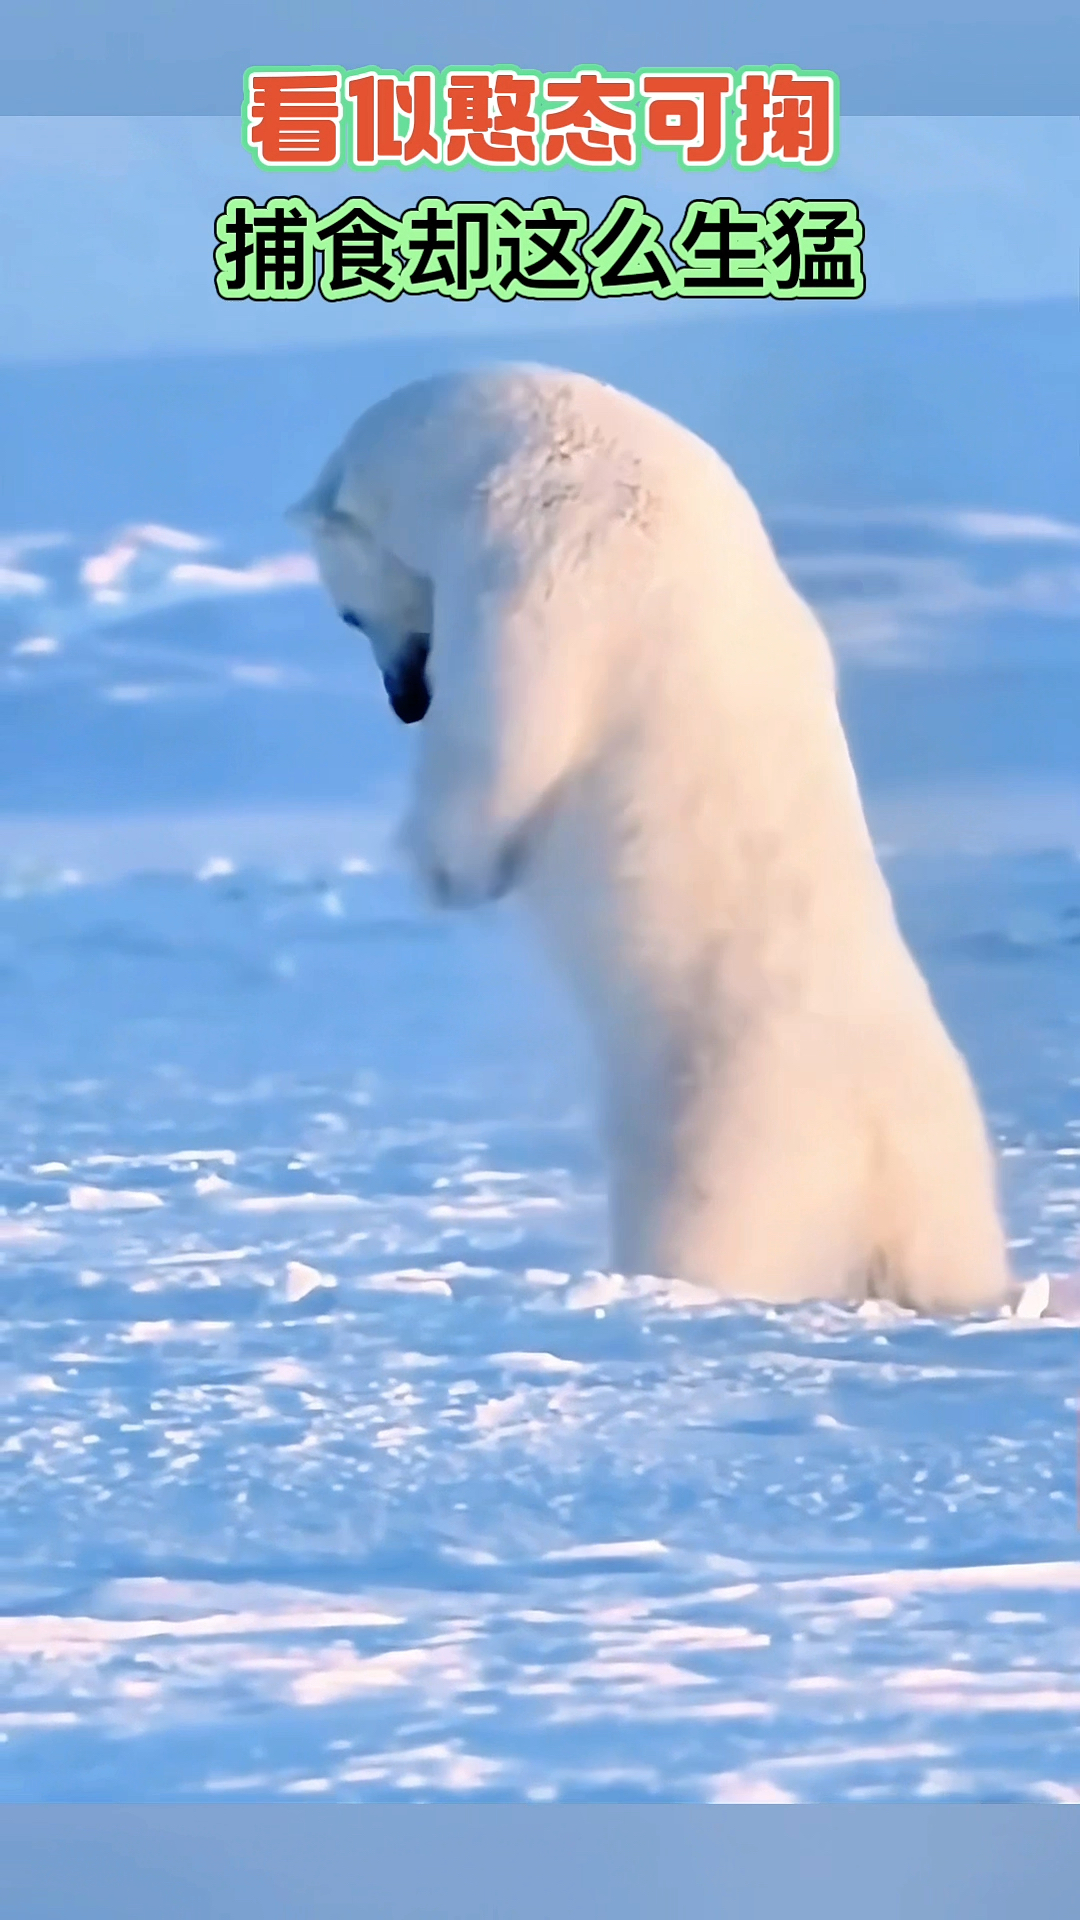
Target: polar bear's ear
303	515
319	506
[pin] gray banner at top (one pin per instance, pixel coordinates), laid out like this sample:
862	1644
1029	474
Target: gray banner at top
914	57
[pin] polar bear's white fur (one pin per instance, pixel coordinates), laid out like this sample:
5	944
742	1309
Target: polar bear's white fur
633	720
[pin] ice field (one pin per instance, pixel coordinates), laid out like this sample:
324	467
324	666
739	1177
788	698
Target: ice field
332	1464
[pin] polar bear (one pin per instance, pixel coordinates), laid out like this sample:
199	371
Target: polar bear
629	715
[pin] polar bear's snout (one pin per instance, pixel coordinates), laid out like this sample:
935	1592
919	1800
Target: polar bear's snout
406	680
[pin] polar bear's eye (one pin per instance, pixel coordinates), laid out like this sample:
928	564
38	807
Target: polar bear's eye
352	619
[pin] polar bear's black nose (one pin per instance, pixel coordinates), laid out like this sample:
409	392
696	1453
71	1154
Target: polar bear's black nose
406	681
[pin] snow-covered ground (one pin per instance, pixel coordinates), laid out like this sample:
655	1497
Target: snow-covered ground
331	1463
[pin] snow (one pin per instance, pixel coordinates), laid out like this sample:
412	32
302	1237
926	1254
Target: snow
333	1462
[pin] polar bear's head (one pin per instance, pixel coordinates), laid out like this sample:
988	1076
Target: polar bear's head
482	572
375	593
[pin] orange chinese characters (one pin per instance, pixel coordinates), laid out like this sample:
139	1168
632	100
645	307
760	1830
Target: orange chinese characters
589	128
492	118
687	111
786	116
381	102
292	118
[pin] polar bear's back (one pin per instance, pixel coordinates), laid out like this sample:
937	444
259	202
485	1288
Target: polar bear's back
518	400
454	429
